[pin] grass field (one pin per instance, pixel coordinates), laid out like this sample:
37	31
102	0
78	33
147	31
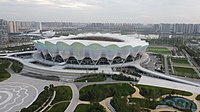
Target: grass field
180	61
60	107
144	103
159	50
92	78
3	73
155	92
16	67
98	92
63	93
82	108
185	72
94	107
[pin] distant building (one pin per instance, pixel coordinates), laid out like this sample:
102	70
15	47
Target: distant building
12	27
3	31
55	25
24	26
165	28
190	29
179	28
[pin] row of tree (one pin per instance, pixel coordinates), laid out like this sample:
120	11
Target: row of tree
43	98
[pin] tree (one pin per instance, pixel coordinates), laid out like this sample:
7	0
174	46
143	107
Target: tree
51	87
46	90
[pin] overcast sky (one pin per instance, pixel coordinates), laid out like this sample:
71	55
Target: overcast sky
137	11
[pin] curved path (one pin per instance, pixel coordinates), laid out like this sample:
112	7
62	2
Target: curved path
136	94
75	98
106	104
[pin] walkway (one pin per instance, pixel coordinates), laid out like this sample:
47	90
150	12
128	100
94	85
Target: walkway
75	98
106	104
145	80
136	94
44	108
158	74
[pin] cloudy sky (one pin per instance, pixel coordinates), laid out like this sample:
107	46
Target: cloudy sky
138	11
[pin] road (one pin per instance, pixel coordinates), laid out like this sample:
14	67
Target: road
192	62
80	85
166	65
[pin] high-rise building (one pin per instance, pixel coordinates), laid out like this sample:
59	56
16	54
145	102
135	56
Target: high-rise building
165	28
12	27
55	25
190	29
3	31
27	26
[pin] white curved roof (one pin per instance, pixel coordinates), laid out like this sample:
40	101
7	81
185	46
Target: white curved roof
128	40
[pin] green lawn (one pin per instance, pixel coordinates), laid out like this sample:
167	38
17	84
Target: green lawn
92	78
98	92
63	93
120	105
122	78
3	73
198	97
159	50
180	61
82	108
183	71
144	103
41	99
16	67
155	92
95	107
60	107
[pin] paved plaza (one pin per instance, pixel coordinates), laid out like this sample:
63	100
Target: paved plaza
15	95
19	91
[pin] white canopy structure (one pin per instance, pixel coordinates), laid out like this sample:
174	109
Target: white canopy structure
93	46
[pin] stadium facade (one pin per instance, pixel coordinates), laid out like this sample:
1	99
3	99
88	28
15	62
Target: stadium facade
91	49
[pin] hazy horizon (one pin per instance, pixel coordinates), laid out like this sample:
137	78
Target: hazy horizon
103	11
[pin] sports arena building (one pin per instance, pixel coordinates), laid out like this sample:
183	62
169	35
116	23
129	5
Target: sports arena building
91	49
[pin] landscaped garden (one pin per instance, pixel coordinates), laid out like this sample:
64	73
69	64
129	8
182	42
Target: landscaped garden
94	107
3	73
155	92
16	67
42	100
63	93
159	50
124	99
61	100
120	105
60	107
120	77
180	61
185	72
198	97
59	104
98	92
180	103
92	78
153	96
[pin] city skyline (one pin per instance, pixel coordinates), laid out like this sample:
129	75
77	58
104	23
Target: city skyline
128	11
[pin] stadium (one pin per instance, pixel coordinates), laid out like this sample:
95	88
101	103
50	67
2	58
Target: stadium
91	49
